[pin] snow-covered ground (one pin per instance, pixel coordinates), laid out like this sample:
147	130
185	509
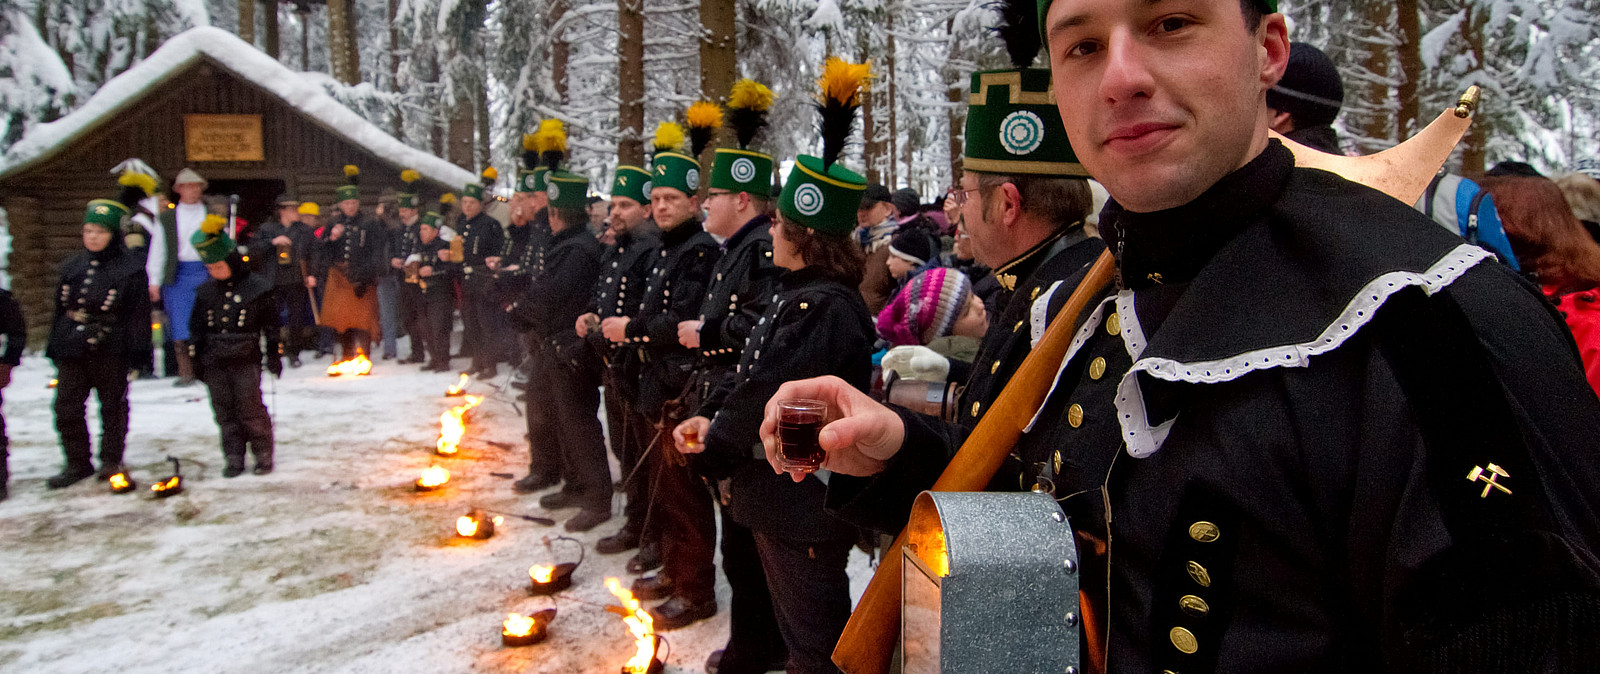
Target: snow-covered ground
331	564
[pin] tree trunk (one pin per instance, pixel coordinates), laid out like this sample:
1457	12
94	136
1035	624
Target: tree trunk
463	129
394	64
1377	127
630	82
1408	22
247	20
269	16
560	51
352	45
719	63
1475	146
338	23
893	153
481	109
305	47
956	95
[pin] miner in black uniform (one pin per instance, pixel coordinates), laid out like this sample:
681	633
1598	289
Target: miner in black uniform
234	315
280	250
676	285
401	244
625	271
13	338
741	286
564	369
483	240
100	332
429	295
352	257
1340	423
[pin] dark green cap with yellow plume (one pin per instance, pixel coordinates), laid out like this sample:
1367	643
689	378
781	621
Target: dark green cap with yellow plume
631	182
407	198
351	189
543	151
669	166
108	213
212	241
476	190
742	169
821	194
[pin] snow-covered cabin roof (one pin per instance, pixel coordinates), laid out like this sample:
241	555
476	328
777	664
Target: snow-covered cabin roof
242	59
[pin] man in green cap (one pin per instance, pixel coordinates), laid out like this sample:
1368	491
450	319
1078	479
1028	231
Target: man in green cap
281	249
1307	428
234	315
352	258
429	295
482	324
567	379
100	332
677	282
625	271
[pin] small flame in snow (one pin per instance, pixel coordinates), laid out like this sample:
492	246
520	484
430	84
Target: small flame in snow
640	623
453	425
354	367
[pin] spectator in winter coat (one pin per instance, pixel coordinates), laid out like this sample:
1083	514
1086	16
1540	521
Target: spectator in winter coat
911	250
1558	254
875	225
1307	100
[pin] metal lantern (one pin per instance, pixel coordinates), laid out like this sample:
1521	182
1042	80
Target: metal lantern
122	483
990	584
526	630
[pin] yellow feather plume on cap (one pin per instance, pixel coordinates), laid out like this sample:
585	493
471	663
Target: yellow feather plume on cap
551	136
530	142
143	181
842	81
750	95
704	115
351	170
491	174
669	137
212	224
409	176
448	198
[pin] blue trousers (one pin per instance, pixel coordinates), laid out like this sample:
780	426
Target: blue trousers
389	311
178	298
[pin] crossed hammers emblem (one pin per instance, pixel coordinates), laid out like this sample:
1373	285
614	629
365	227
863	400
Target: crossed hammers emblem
1489	477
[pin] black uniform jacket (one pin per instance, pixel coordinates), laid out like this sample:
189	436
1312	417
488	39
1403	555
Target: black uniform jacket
102	308
1040	282
741	284
361	248
624	273
437	284
13	330
557	296
814	326
232	318
483	237
677	281
1315	433
264	255
525	249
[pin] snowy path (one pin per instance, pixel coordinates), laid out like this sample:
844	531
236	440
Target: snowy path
330	564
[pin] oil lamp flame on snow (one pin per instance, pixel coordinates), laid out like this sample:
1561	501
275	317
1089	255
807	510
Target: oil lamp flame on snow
526	630
122	484
640	624
550	579
433	477
459	387
353	367
171	486
453	425
477	524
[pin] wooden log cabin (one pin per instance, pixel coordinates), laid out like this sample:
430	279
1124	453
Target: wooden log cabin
208	101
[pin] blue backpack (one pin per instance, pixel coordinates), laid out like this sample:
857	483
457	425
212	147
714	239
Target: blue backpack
1459	205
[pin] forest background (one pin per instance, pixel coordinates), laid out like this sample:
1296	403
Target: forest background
464	79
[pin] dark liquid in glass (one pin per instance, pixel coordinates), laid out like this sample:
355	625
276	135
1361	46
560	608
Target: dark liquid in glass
797	445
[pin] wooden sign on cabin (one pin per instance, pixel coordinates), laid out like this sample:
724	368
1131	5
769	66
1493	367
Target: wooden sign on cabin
223	138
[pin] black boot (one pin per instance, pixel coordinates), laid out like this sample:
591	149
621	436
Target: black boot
235	467
69	476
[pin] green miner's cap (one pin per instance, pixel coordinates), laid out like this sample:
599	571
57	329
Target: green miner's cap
473	190
347	192
678	171
431	219
352	187
742	171
407	198
822	199
631	182
1268	6
1014	127
212	241
567	190
404	200
529	181
538	178
106	213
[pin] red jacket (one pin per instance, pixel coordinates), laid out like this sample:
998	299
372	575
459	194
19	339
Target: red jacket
1582	311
